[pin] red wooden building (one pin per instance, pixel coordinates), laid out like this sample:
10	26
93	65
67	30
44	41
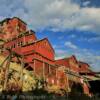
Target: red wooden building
84	68
38	55
12	27
70	63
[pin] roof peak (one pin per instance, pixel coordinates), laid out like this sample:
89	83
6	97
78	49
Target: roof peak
18	19
7	19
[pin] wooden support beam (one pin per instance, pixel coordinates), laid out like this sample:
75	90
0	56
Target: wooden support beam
7	73
67	81
21	72
67	87
49	70
34	66
44	62
24	40
56	73
4	61
43	70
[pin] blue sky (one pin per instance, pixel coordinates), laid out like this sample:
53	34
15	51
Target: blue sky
72	26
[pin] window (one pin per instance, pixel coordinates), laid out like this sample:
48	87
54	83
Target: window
79	66
46	68
18	43
21	43
27	42
14	46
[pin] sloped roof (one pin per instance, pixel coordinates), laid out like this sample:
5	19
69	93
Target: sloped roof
5	20
47	42
81	63
68	58
19	20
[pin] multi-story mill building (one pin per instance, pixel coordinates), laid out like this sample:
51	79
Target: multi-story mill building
38	54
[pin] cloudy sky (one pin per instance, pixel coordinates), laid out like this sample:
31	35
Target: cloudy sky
72	26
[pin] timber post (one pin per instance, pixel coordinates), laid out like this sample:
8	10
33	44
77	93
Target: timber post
34	66
49	70
21	72
7	73
43	71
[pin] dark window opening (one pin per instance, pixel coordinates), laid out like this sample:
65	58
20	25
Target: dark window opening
29	68
79	66
18	43
13	45
21	43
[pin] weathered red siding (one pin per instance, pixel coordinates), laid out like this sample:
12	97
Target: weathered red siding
70	63
84	67
38	54
13	27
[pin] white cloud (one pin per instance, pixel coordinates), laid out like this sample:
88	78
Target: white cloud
60	53
90	58
70	45
54	29
94	39
72	36
86	3
60	14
